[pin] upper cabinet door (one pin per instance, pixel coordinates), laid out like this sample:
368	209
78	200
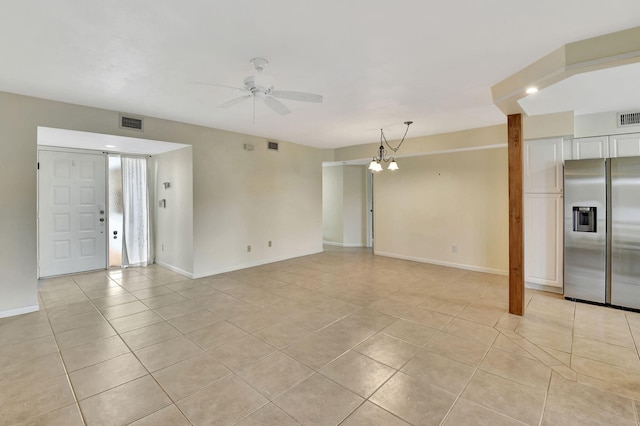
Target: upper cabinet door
596	147
543	166
624	145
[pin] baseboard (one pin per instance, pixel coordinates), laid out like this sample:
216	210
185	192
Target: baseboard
251	264
19	311
174	269
346	245
442	263
547	288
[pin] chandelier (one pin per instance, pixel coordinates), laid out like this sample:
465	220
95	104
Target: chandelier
375	165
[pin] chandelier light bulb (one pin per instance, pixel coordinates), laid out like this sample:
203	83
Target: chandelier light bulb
393	165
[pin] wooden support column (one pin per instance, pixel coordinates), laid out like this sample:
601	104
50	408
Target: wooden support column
516	229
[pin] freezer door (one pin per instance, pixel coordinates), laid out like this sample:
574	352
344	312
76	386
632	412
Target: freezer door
625	232
585	273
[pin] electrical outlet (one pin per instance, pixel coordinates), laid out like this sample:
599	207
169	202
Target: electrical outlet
454	248
248	249
269	243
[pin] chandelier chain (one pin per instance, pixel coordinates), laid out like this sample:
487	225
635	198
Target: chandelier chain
383	138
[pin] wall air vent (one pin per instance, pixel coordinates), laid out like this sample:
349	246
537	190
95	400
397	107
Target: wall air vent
628	119
272	146
132	123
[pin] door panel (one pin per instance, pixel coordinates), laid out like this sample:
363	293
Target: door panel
625	145
625	232
596	147
543	165
543	239
71	212
585	250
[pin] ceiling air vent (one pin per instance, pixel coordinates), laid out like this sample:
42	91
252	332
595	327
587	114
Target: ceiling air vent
272	146
129	122
628	119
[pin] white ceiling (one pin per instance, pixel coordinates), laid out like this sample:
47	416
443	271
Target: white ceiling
378	63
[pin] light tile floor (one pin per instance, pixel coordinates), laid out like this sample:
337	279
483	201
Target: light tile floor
342	337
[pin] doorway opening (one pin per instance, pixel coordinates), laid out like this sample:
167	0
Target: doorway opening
94	198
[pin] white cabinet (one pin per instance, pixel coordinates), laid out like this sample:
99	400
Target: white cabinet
543	239
543	206
543	165
596	147
624	145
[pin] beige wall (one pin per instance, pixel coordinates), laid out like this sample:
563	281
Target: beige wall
344	205
548	125
600	124
237	199
354	206
173	239
18	134
332	209
436	201
246	198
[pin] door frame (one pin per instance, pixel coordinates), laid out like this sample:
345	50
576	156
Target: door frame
369	240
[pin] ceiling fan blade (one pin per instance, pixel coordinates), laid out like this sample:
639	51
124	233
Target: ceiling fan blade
276	105
218	85
296	96
234	101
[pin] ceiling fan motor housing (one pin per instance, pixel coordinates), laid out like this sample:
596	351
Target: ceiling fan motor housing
258	85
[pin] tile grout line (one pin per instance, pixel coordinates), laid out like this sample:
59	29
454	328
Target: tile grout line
546	398
459	395
632	336
64	364
317	371
144	366
130	351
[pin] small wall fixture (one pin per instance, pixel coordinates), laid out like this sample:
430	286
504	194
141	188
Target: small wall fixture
375	165
162	203
166	185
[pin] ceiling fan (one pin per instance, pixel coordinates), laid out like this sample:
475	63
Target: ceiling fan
260	86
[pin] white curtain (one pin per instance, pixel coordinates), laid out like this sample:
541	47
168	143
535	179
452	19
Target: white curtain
135	202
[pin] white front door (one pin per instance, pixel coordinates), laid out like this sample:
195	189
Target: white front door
71	212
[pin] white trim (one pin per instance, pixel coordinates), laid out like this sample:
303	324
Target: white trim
19	311
174	268
543	287
347	245
442	263
331	243
251	264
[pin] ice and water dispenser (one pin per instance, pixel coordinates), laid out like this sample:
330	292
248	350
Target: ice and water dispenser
584	219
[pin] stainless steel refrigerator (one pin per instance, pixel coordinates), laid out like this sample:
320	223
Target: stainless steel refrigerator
602	231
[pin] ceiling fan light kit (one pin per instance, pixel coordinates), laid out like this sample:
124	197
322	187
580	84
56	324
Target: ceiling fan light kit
260	86
375	165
